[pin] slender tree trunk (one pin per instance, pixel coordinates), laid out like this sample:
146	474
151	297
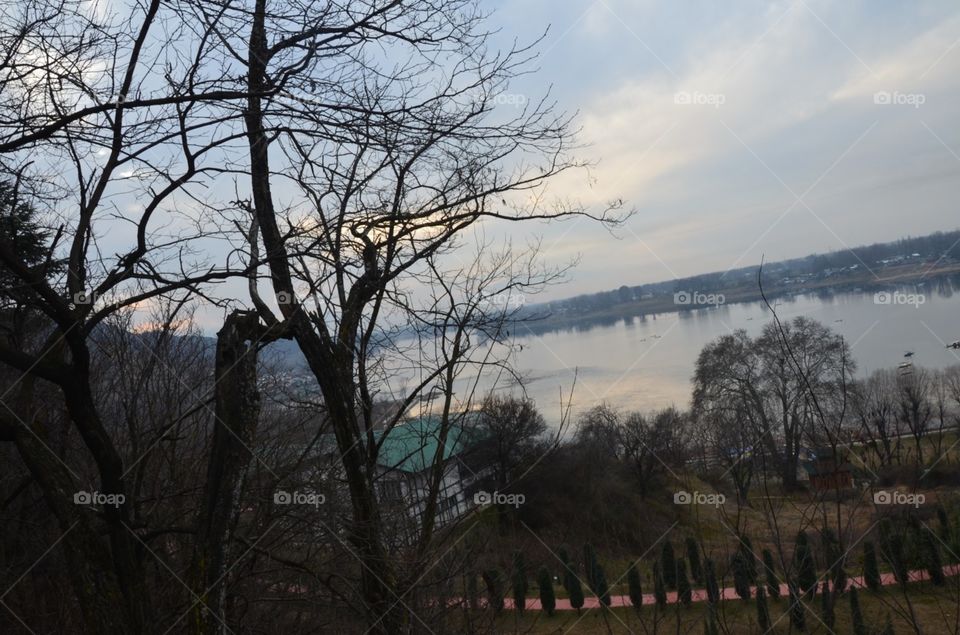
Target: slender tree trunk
330	360
237	408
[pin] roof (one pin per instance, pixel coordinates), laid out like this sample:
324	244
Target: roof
412	446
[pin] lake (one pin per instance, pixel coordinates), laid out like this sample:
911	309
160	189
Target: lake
647	362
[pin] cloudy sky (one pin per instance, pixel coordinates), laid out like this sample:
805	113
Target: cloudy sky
741	129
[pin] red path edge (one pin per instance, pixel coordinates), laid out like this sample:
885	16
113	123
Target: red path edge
700	595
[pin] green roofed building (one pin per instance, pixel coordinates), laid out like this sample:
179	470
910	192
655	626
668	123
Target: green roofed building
406	461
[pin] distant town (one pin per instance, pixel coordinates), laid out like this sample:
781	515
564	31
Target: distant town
866	268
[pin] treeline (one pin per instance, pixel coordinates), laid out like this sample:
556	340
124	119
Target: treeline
940	247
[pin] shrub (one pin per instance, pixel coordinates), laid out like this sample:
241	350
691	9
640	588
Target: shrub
492	580
804	563
749	559
741	578
710	582
519	582
693	556
668	564
763	611
548	600
684	592
932	561
659	585
826	605
798	615
871	571
634	587
773	585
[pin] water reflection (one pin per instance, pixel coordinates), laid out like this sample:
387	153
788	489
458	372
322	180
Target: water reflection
646	361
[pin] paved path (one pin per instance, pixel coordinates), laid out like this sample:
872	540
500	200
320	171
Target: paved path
728	593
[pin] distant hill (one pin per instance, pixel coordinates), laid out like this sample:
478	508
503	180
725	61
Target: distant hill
868	267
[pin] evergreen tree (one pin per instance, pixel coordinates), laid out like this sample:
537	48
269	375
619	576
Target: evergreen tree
590	566
856	617
693	556
804	563
749	559
684	592
567	568
871	571
473	595
668	563
834	556
603	589
932	561
634	586
21	231
575	592
944	524
519	582
741	577
492	580
763	611
710	582
826	605
894	555
659	585
548	600
798	615
914	544
773	585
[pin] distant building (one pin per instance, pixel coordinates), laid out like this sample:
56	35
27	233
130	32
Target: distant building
405	471
826	473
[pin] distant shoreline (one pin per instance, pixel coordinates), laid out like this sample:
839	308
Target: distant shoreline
861	281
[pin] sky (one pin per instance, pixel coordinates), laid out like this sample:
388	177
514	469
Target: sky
741	130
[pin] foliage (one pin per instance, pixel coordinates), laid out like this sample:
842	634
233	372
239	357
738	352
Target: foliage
548	600
693	557
826	605
710	582
519	581
659	585
493	581
684	592
741	575
773	585
763	611
668	564
871	570
634	587
803	563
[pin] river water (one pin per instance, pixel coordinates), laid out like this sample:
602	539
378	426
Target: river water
647	362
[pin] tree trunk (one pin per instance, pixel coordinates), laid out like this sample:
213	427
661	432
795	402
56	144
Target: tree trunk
237	408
